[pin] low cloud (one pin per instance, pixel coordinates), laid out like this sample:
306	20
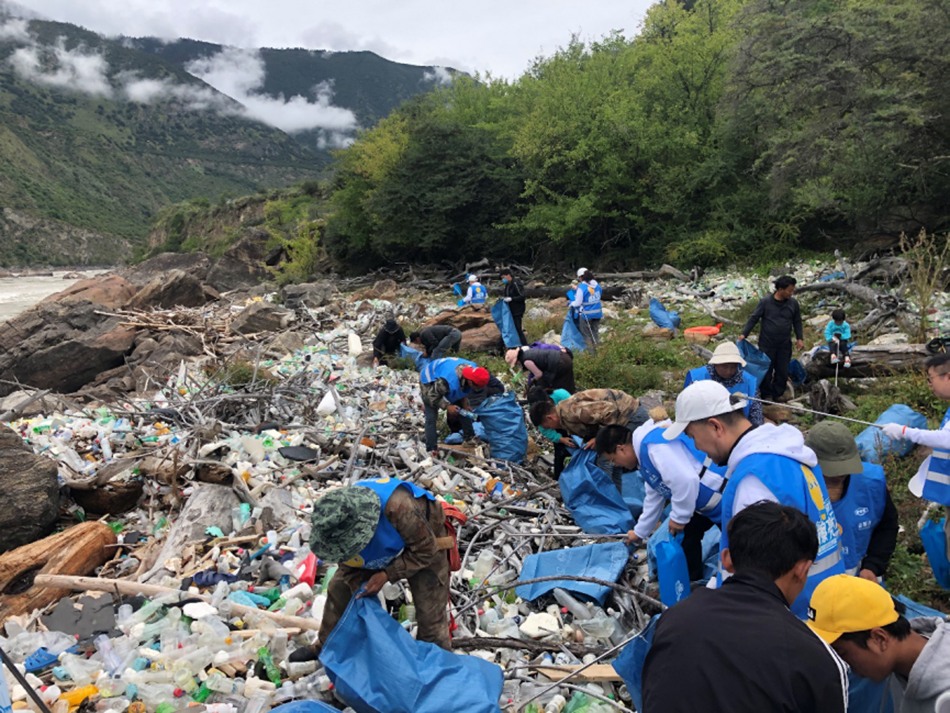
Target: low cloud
15	29
78	69
439	75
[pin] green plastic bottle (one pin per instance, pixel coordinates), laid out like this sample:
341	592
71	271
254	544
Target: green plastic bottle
578	703
165	708
202	694
273	673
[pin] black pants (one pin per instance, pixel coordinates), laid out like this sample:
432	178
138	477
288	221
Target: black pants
693	544
840	348
516	318
776	378
561	454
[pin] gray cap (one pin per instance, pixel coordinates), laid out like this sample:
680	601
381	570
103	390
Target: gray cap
835	447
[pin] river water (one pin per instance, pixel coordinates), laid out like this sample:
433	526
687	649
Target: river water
18	294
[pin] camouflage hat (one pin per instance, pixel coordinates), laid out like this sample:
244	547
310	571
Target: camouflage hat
343	522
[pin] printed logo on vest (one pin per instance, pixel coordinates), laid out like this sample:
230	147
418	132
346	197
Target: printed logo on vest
861	512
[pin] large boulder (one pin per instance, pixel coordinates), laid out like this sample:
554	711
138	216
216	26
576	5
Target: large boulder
174	289
479	331
61	346
309	294
30	490
244	264
195	264
261	317
110	291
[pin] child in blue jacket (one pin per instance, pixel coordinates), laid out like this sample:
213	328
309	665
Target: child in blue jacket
837	334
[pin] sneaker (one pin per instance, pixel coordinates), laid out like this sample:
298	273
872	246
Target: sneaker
847	362
834	358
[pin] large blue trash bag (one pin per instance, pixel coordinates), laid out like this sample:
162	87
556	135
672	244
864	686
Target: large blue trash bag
710	547
571	337
874	446
662	317
501	313
406	352
915	609
590	495
671	568
505	428
756	362
796	372
935	545
305	707
602	561
629	665
633	493
377	667
866	696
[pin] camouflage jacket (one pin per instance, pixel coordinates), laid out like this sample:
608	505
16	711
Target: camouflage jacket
586	412
419	521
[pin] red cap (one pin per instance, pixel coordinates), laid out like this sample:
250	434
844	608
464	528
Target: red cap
477	375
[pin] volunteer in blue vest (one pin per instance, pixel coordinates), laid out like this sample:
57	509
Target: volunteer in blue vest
867	518
382	531
587	306
932	481
477	294
447	383
672	471
726	368
769	463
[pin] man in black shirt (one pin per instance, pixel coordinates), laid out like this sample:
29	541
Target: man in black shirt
779	313
388	340
514	296
739	648
438	340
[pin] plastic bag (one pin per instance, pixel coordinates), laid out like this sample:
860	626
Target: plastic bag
757	364
377	666
418	358
935	545
505	429
304	707
501	313
874	446
629	664
917	609
602	561
797	372
671	568
590	496
662	317
571	337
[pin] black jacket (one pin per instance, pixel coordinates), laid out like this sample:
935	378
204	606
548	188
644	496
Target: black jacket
740	649
388	342
515	290
778	320
431	336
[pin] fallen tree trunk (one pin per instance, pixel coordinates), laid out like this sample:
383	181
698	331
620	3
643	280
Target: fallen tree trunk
78	550
871	360
611	292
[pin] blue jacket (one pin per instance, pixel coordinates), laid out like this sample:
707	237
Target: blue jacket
747	386
447	369
386	544
843	330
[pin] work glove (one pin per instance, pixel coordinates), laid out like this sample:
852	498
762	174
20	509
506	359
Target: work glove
894	431
507	299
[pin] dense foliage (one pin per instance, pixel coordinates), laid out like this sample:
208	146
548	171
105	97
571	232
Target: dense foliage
724	130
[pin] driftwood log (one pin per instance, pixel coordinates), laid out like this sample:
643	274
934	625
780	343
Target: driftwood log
610	292
871	360
76	551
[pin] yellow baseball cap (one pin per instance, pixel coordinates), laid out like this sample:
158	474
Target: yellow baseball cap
844	604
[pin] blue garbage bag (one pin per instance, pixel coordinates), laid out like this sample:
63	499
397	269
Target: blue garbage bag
662	317
797	372
505	428
671	568
377	666
756	362
633	493
571	337
590	495
935	545
457	290
874	446
915	609
864	695
305	707
711	542
602	561
420	360
629	664
501	313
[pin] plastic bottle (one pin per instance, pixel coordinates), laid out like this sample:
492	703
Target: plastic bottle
78	670
78	695
556	704
484	564
273	673
110	687
259	703
306	571
578	609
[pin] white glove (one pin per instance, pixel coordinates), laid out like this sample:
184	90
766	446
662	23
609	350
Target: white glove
894	431
507	299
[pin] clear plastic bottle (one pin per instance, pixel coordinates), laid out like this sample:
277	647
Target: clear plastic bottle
556	704
575	607
484	564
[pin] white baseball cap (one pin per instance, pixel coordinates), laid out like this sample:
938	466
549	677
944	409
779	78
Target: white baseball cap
473	278
727	353
699	400
581	271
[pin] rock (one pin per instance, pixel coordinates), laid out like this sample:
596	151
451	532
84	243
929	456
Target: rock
463	318
261	317
539	625
287	343
387	289
885	339
537	313
73	276
111	291
112	498
308	294
558	306
244	264
694	338
47	404
818	322
61	346
483	339
195	264
216	473
30	488
658	334
174	289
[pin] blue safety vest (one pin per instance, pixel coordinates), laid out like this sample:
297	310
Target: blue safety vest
386	544
937	484
859	512
801	487
590	301
479	294
746	387
447	369
711	480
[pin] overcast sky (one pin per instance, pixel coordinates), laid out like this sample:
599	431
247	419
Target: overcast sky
489	36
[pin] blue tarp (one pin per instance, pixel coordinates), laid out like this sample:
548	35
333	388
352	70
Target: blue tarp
406	352
633	493
662	317
756	362
377	666
629	665
875	446
916	609
591	496
866	696
305	707
505	428
602	561
501	313
935	545
571	337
